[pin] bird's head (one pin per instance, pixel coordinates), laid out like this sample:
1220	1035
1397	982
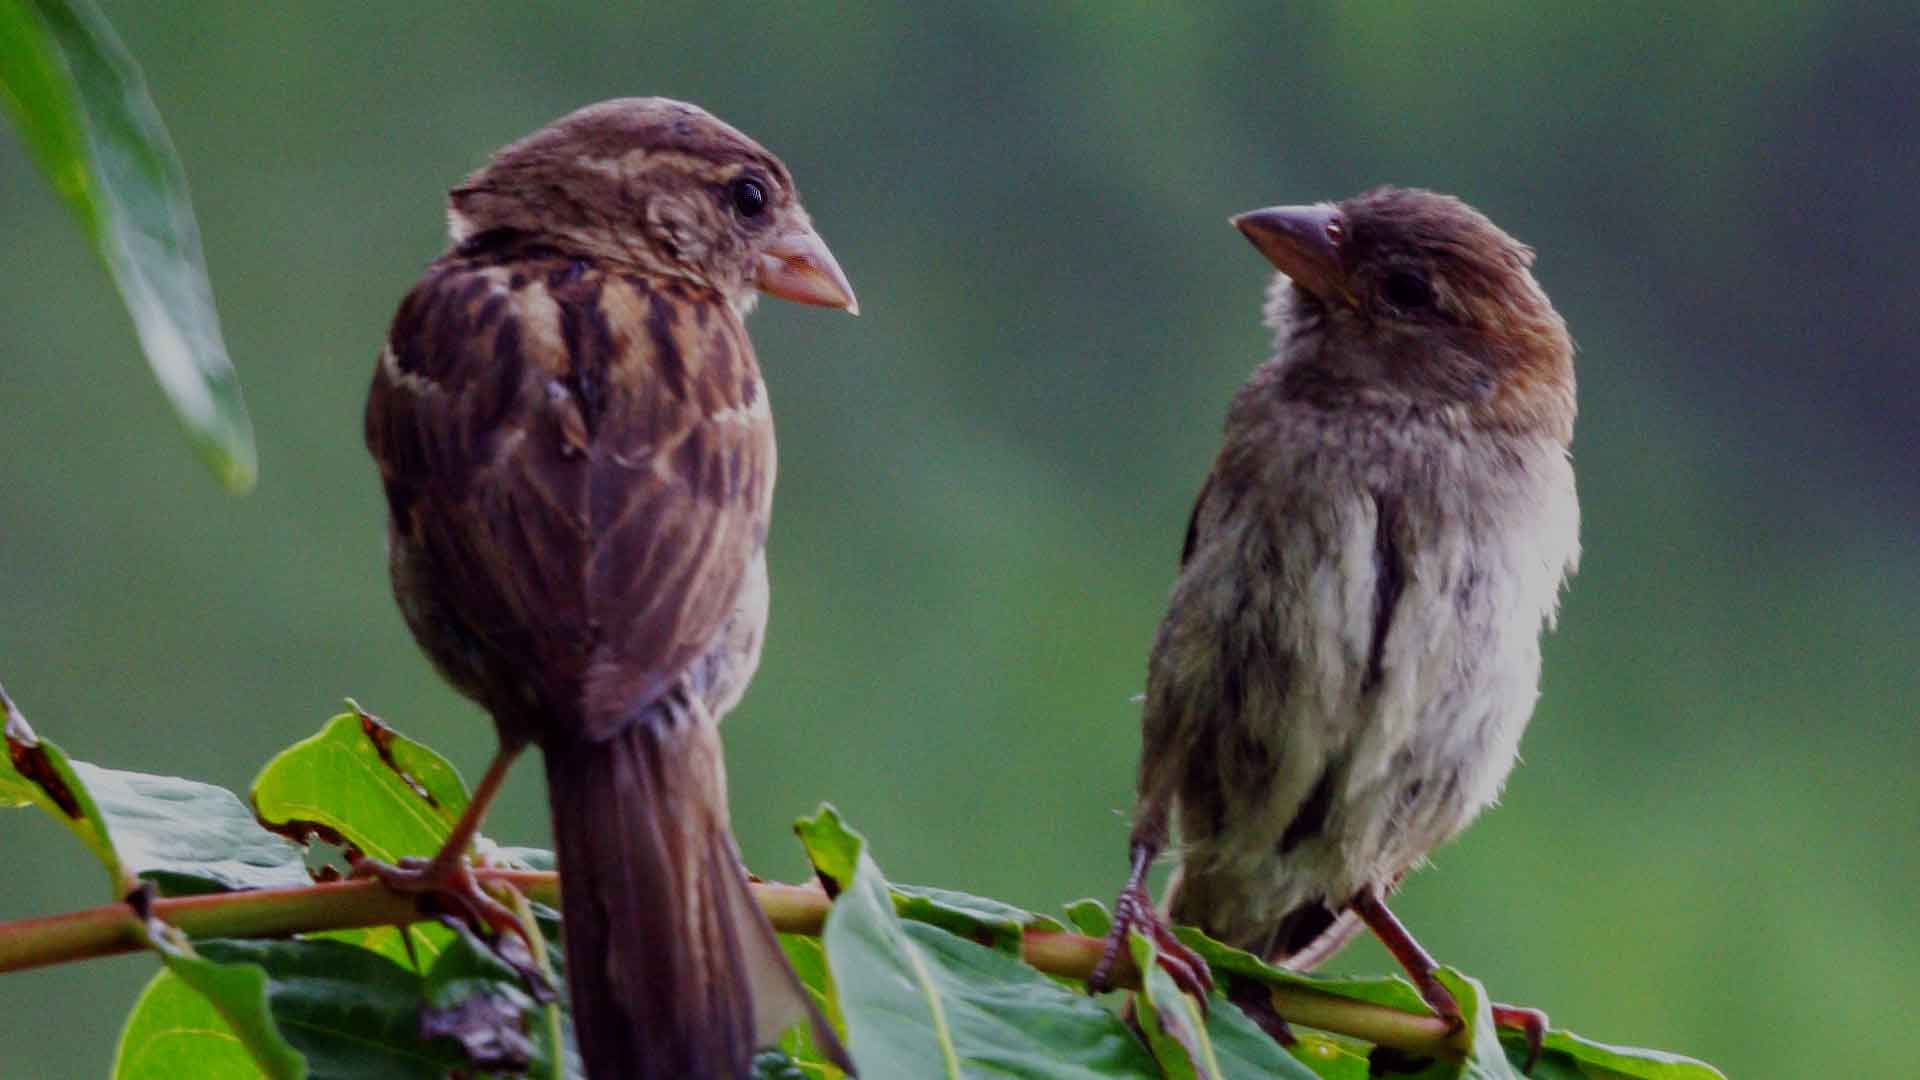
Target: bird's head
659	187
1415	294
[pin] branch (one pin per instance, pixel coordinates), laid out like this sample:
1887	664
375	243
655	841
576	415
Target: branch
793	909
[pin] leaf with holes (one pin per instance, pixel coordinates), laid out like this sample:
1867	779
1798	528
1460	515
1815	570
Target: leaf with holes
361	782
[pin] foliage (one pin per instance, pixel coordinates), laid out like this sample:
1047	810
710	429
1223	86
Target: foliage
921	982
80	103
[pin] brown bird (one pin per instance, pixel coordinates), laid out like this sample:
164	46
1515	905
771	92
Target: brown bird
579	462
1351	650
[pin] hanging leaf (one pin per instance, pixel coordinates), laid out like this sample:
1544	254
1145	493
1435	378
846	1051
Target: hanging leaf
82	108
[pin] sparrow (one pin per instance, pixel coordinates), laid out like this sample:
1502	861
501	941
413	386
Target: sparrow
1351	648
577	452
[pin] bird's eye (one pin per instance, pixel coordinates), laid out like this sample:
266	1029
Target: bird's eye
749	198
1407	291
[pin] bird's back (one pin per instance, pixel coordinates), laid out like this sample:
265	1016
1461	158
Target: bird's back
579	468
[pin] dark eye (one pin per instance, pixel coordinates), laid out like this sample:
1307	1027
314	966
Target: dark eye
1407	291
749	197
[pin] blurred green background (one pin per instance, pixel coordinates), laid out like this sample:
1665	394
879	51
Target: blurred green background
1711	846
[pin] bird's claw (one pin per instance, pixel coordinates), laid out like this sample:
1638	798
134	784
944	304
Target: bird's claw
446	888
1530	1023
1134	911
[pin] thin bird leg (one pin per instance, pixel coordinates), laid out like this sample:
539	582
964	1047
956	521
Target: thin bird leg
1420	965
1256	1001
446	881
1134	910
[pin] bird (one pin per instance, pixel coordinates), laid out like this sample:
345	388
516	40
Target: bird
1351	648
577	452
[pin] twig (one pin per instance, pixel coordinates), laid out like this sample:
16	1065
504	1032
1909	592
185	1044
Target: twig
793	909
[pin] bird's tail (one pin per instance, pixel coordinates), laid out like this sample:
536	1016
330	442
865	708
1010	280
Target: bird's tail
672	969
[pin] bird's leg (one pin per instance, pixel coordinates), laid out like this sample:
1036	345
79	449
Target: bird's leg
1256	1000
1134	910
1420	966
446	881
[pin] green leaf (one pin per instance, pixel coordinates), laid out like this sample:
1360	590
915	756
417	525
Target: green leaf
81	105
1090	917
1171	1019
922	1002
831	846
38	773
809	960
1486	1059
1245	1051
415	947
185	836
352	1013
1327	1058
989	922
362	782
1565	1054
1239	1046
174	1031
1390	991
479	1001
238	991
189	837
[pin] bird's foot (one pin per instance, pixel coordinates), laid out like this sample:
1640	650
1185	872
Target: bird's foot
446	887
1530	1023
1134	911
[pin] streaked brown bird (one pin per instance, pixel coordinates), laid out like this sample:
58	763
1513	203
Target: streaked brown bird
578	459
1351	650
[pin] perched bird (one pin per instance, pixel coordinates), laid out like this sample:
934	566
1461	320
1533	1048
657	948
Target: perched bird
578	459
1351	649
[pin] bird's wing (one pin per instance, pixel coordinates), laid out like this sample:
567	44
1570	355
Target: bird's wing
581	465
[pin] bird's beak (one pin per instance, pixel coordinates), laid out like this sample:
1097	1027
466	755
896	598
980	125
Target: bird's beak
797	266
1306	243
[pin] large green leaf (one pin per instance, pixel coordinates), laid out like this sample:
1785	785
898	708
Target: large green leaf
1219	1042
350	1012
1486	1058
37	773
175	1031
185	836
1568	1055
921	1002
189	837
321	1008
362	782
1174	1023
831	847
809	960
82	107
238	992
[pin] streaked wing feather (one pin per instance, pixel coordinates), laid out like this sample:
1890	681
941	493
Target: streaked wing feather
557	487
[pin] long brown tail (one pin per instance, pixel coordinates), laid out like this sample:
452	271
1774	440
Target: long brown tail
672	969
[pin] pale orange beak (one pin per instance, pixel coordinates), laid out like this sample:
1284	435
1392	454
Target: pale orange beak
797	266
